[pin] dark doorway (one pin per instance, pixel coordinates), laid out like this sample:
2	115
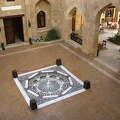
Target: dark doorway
13	30
73	20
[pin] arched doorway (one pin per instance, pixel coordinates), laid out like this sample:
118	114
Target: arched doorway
110	15
73	20
75	23
109	53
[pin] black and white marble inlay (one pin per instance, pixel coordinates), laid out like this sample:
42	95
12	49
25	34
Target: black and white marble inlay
48	85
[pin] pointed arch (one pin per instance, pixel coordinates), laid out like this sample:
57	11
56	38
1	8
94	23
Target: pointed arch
75	17
43	13
41	1
99	11
71	12
42	5
41	19
71	9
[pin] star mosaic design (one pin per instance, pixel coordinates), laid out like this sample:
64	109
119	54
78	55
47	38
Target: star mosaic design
48	85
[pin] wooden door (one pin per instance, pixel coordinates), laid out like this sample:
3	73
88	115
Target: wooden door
21	35
9	31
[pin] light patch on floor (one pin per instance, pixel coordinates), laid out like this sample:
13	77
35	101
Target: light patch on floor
48	85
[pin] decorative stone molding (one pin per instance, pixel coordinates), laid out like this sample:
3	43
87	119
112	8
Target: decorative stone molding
6	8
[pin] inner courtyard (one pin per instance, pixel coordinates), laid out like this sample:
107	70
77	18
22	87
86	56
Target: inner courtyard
82	44
100	102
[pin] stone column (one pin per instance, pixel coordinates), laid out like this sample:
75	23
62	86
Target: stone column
119	26
66	28
119	59
2	32
90	38
28	19
119	67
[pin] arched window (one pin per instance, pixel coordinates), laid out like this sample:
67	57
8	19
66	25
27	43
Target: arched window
41	19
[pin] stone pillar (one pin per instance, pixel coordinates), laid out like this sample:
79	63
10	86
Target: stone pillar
90	35
90	38
66	28
2	33
30	41
33	104
58	62
86	84
14	74
2	46
119	26
1	30
119	67
28	19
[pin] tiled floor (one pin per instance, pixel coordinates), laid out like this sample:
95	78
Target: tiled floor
109	56
101	102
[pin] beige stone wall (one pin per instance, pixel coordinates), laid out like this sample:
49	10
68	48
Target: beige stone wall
92	18
8	13
59	16
91	11
30	10
53	15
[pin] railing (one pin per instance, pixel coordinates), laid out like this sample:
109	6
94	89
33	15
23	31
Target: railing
76	38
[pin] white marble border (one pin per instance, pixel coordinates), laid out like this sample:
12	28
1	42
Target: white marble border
78	80
26	97
61	98
36	70
23	92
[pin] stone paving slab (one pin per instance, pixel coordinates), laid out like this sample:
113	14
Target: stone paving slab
102	102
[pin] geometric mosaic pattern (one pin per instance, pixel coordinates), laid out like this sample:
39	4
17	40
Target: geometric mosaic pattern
48	85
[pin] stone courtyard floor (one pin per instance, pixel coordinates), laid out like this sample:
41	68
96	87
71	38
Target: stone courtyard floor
109	56
101	102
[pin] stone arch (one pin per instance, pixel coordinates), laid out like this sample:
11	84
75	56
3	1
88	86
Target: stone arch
78	19
41	19
42	5
72	18
45	6
69	14
102	7
106	4
71	9
97	21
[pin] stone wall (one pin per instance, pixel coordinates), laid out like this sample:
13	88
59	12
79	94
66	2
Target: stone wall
59	16
91	24
7	13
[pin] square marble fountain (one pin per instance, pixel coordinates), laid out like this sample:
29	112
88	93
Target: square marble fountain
48	85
